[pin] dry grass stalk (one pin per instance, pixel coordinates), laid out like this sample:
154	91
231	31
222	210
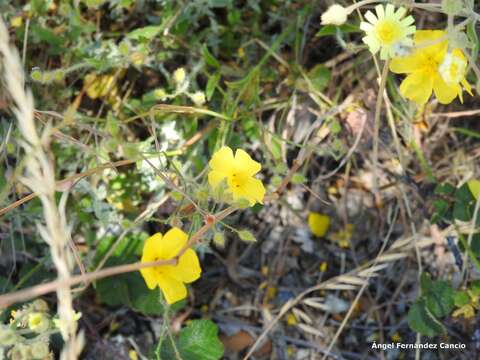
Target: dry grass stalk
40	177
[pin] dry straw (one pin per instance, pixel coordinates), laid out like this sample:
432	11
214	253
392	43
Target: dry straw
39	176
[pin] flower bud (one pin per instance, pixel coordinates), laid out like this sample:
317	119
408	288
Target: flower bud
40	349
179	76
198	98
40	305
7	336
335	15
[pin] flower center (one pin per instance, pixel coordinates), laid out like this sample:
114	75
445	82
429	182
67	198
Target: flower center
237	180
387	32
452	69
430	64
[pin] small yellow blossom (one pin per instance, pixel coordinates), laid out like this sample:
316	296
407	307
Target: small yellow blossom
323	266
16	21
238	171
132	354
431	68
38	322
170	279
318	223
389	31
342	237
292	319
335	15
396	337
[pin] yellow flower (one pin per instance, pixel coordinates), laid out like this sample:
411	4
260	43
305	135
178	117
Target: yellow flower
170	279
431	67
389	31
38	322
239	173
318	223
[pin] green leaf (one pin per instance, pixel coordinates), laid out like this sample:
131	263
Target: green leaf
438	296
211	85
298	179
464	204
199	341
444	189
44	34
320	77
461	298
210	59
147	32
422	321
332	29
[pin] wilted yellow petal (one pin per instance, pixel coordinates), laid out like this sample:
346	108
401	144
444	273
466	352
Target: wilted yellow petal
318	223
474	186
467	311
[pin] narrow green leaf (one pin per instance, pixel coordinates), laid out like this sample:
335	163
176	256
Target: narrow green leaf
210	59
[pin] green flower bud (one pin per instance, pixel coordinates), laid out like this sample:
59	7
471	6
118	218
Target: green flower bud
40	349
452	7
246	235
219	239
7	336
36	75
40	305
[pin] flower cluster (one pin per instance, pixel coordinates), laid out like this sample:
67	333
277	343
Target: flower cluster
431	62
27	335
428	60
232	174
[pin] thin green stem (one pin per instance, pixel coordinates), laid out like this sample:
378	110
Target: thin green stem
378	108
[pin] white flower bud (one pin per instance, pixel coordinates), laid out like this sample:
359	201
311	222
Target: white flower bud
179	76
198	98
335	15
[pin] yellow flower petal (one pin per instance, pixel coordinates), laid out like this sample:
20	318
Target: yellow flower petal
405	64
427	35
318	223
215	178
252	190
466	86
188	268
172	289
417	87
173	241
445	93
223	160
151	248
150	276
245	164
